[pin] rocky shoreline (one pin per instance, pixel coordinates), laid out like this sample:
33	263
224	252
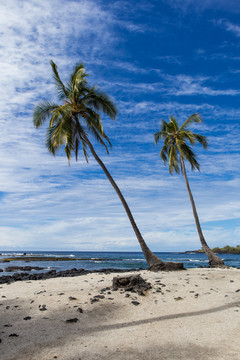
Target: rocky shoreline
24	276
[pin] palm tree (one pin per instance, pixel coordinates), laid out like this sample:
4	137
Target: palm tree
73	121
176	150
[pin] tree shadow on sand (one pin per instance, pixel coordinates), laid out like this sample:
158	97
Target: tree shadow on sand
57	334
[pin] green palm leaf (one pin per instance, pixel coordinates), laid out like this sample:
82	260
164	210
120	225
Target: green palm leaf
77	117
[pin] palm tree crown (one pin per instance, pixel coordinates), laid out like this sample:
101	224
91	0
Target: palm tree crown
175	142
76	116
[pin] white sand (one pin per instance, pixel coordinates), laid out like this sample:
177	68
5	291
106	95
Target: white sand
175	324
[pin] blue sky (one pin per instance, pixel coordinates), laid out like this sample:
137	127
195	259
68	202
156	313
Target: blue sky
155	59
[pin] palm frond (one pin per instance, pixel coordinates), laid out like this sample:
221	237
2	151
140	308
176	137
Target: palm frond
61	90
42	112
78	76
100	101
202	140
173	159
187	135
163	154
189	155
173	123
195	118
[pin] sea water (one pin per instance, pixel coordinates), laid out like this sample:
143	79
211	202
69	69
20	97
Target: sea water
101	260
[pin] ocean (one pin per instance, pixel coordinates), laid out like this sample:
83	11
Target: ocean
96	260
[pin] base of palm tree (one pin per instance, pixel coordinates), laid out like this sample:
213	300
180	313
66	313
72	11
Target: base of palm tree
168	266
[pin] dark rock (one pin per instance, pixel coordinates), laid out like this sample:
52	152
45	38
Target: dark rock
8	279
23	268
136	303
40	292
42	307
13	335
74	320
1	270
99	296
94	300
80	310
27	318
72	298
238	290
131	283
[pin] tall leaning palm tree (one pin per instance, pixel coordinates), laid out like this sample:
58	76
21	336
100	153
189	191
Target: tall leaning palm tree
176	150
74	120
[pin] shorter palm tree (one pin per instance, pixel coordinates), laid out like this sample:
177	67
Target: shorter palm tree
176	150
74	121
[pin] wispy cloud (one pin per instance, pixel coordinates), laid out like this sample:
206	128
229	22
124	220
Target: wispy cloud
228	26
191	5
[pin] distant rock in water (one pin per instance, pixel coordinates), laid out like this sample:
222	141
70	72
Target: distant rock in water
22	268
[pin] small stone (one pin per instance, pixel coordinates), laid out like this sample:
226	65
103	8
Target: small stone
136	303
74	320
72	298
94	300
13	335
80	310
27	318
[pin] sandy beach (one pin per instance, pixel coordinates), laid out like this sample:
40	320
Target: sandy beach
192	314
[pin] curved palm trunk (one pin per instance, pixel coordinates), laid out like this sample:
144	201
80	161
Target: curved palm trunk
152	259
214	260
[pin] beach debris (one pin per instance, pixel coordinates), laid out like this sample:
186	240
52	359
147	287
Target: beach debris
72	298
42	307
132	283
74	320
27	318
178	298
80	310
13	335
238	290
